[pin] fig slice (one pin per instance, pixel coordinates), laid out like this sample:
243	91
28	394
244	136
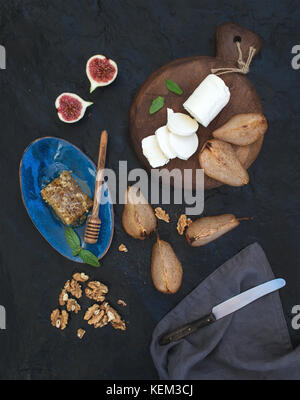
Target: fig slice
206	229
242	129
166	269
153	153
181	124
184	146
163	138
138	217
220	162
71	107
101	71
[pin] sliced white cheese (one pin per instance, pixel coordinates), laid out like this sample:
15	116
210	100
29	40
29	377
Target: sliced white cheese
181	124
153	153
184	146
208	99
163	138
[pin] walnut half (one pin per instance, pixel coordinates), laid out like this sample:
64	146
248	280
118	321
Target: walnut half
59	320
74	288
63	297
113	317
73	306
161	214
96	291
80	277
182	223
101	315
96	316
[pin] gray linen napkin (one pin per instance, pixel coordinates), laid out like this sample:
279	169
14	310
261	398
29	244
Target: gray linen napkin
252	343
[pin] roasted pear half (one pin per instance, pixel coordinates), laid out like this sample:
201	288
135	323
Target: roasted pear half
166	269
220	162
138	217
242	129
206	229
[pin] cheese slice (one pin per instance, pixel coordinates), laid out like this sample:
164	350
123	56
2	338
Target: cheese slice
184	146
181	124
153	153
163	138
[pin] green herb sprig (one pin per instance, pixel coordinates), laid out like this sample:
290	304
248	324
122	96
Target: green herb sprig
74	243
157	104
173	87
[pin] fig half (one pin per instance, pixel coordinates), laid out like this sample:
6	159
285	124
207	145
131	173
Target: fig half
138	217
70	107
101	71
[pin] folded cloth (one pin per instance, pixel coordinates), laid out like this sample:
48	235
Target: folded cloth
252	343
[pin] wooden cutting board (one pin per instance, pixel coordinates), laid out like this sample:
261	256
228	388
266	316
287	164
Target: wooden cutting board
188	73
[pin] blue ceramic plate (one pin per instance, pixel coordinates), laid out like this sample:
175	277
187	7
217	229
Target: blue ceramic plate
42	161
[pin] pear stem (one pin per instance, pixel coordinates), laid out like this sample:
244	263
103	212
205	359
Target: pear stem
157	234
245	219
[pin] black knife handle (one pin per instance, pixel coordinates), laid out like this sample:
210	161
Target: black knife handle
187	329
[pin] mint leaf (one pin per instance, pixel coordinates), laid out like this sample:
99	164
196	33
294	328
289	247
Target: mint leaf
72	239
173	87
157	104
74	242
89	258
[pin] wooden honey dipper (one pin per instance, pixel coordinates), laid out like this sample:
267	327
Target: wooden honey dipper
93	223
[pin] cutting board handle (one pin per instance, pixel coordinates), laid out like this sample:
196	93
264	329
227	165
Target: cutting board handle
226	36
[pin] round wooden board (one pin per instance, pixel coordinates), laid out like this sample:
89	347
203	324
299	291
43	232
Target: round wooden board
188	73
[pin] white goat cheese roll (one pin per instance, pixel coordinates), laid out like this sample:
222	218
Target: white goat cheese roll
208	99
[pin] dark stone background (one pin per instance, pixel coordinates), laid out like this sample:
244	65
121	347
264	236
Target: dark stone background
48	43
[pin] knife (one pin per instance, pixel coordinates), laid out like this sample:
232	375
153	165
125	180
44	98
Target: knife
221	310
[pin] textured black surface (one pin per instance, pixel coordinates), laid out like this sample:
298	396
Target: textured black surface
47	44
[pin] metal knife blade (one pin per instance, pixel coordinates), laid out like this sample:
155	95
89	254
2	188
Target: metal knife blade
243	299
